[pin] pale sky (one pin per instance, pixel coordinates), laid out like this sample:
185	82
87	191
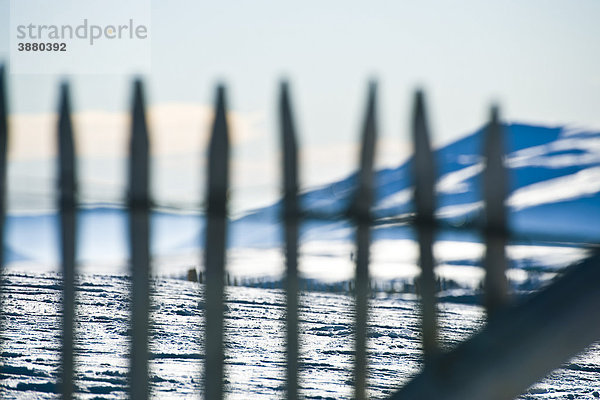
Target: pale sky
539	60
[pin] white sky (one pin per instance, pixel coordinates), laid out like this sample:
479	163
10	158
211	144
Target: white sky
538	59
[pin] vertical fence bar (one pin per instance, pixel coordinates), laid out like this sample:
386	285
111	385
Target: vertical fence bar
361	212
139	231
290	212
214	250
494	193
3	150
424	175
67	190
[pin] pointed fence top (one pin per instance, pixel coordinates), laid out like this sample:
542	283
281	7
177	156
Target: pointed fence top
220	130
289	145
218	157
369	132
139	151
139	134
66	149
3	112
65	102
495	174
424	165
364	192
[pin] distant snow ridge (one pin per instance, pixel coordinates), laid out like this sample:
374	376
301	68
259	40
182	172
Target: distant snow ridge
554	176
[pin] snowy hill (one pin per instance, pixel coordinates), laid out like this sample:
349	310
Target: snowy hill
554	178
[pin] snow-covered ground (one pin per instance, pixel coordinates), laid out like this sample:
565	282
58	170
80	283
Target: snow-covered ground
254	335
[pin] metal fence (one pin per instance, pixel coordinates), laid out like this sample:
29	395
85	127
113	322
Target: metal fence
519	344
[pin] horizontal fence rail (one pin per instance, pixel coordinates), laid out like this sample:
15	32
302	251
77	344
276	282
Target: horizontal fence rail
519	344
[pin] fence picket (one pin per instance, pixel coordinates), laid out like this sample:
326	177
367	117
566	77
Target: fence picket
361	213
214	249
424	175
3	150
67	208
494	193
139	206
290	212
